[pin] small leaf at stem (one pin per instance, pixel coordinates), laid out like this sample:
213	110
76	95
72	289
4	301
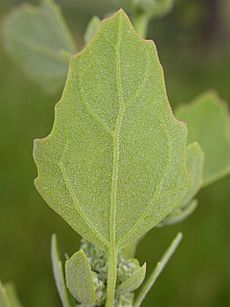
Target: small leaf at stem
195	167
79	279
39	40
130	249
208	123
133	281
91	29
58	273
180	214
194	163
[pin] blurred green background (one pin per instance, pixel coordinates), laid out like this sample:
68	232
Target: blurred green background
193	44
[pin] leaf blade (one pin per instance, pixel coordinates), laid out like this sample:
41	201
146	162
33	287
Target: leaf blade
132	282
194	164
105	110
179	215
213	138
79	279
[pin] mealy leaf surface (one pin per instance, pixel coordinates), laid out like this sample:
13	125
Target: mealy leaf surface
132	282
114	164
195	166
79	279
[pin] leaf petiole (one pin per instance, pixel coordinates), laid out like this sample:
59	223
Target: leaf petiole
112	276
159	268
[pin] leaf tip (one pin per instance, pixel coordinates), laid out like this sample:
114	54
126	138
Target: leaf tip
53	240
179	237
121	12
143	269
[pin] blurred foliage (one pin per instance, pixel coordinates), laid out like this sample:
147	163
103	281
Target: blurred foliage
193	44
152	8
43	42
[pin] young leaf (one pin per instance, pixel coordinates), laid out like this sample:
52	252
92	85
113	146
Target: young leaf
180	214
39	40
194	163
209	124
79	279
130	249
92	28
114	164
58	273
132	282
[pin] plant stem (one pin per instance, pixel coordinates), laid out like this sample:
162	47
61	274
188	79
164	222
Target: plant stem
159	268
112	276
140	22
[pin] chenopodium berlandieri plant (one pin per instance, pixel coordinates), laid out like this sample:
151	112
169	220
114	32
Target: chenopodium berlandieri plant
114	165
117	162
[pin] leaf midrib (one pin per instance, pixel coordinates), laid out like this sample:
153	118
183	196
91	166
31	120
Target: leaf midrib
112	217
113	206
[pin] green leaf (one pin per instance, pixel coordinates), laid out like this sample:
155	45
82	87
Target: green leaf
195	167
194	163
133	281
152	8
179	214
114	164
39	40
208	124
91	29
129	250
58	273
79	279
